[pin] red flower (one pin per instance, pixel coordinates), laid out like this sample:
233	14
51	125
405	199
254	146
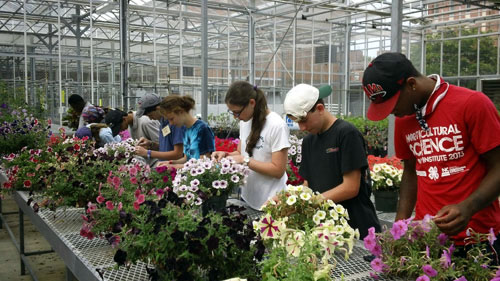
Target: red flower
27	183
76	147
109	205
100	199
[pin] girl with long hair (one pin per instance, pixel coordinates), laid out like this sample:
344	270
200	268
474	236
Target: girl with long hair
263	145
198	138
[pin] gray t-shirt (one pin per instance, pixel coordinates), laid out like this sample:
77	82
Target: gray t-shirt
327	156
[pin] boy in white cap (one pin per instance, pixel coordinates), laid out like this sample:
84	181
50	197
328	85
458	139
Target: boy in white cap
333	156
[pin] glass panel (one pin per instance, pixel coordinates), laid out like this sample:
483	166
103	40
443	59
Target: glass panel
488	54
468	83
450	57
468	56
416	54
432	58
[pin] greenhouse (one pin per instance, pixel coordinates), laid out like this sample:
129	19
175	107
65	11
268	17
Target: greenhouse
249	140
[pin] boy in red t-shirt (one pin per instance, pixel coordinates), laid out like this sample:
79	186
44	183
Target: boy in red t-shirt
449	139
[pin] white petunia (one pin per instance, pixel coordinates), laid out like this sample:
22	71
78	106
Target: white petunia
291	200
183	188
195	182
321	214
331	203
340	209
193	188
223	184
235	178
389	182
189	196
198	201
334	214
216	184
305	196
316	219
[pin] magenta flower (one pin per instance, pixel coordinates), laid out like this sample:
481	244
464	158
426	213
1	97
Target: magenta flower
497	274
141	198
369	242
116	182
133	171
374	276
378	265
27	183
100	199
377	250
491	236
399	229
136	206
165	178
109	205
445	259
423	278
133	180
120	206
442	238
429	271
461	279
427	252
160	192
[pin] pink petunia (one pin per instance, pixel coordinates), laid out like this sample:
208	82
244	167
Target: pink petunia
378	265
136	206
377	250
374	276
120	206
116	182
137	193
133	171
492	237
100	199
429	271
423	278
141	198
133	180
369	242
442	238
445	259
461	279
399	229
109	205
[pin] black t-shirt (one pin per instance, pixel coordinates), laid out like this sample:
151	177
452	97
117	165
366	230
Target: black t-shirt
327	156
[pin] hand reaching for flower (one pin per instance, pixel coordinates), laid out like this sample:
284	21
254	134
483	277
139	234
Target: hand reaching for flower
452	219
218	155
141	151
144	142
237	158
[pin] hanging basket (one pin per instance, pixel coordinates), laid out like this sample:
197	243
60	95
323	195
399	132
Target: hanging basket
386	200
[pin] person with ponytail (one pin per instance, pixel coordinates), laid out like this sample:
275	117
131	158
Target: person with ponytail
199	140
263	145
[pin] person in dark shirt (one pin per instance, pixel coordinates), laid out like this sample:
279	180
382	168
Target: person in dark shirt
334	160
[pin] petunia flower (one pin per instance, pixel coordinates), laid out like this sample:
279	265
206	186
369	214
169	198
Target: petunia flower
291	200
109	205
100	199
269	228
378	265
429	271
399	229
442	238
423	278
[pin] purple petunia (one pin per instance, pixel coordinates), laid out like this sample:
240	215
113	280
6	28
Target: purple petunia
423	278
399	229
461	279
378	265
442	238
429	271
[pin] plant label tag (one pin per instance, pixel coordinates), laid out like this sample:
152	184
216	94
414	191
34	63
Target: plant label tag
165	131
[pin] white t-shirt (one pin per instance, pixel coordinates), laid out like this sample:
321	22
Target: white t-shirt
273	137
144	127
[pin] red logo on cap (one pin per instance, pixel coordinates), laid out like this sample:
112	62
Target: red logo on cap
375	92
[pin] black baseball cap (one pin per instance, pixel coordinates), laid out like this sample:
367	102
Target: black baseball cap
114	119
382	82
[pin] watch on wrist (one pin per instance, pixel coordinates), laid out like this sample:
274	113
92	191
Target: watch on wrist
246	160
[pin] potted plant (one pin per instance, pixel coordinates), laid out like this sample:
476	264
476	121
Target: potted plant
301	232
386	179
208	183
417	250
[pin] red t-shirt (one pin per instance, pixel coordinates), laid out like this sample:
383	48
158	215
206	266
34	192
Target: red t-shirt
463	125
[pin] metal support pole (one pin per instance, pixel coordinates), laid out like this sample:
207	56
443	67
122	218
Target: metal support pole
21	241
124	52
59	33
25	54
396	42
294	51
204	60
78	38
91	55
251	45
1	213
347	77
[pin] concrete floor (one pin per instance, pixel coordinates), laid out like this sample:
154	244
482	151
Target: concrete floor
47	267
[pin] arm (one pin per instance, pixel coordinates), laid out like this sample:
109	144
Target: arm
150	130
349	188
174	154
217	155
276	168
452	219
407	190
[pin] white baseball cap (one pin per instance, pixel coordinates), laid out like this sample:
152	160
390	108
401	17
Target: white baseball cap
301	99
